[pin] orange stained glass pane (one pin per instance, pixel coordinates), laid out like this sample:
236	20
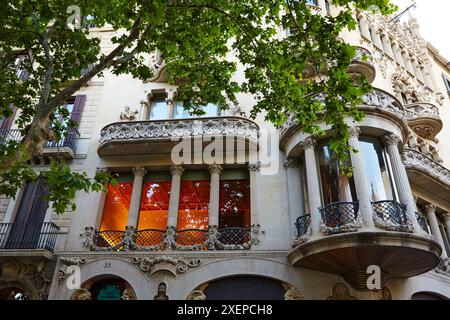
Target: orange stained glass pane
234	203
115	211
193	205
153	212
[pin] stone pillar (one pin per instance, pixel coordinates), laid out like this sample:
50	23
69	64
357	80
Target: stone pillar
401	179
359	176
407	60
446	218
174	202
254	193
135	201
144	111
397	54
376	37
387	45
214	193
430	210
170	103
364	27
314	192
417	70
294	193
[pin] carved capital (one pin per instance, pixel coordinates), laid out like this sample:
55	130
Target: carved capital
139	172
355	132
215	169
177	170
430	209
309	143
391	140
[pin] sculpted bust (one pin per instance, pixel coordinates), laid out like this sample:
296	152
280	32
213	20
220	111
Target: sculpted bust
161	295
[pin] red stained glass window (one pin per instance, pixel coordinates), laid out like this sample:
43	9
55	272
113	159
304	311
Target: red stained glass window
193	205
234	203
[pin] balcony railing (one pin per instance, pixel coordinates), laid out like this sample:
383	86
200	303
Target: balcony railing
302	224
340	217
7	135
232	238
391	215
28	236
422	221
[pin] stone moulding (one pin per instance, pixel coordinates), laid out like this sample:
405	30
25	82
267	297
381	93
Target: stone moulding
148	265
415	160
179	128
350	227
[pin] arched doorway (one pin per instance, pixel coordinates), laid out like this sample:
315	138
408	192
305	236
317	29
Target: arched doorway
107	287
242	288
428	296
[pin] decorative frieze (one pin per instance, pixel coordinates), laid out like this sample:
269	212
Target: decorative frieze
168	129
148	265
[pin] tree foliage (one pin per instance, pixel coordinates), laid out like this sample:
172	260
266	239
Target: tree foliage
196	39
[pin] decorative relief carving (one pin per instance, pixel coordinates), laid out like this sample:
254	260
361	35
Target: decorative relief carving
148	265
291	292
198	293
180	128
215	169
65	263
418	161
349	227
128	115
341	292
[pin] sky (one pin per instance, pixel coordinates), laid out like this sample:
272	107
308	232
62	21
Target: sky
434	21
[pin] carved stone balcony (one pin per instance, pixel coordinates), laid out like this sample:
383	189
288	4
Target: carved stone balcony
424	119
347	248
427	175
363	64
160	136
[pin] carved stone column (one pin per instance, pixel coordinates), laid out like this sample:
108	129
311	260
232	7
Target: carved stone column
314	192
401	179
177	172
254	193
430	210
387	45
446	218
135	202
359	176
376	37
365	32
417	70
397	54
214	193
294	193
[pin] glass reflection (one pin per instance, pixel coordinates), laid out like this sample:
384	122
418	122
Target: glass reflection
377	172
336	186
211	110
158	110
117	205
234	203
194	205
154	206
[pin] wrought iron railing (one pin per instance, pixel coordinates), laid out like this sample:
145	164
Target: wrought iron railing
28	235
191	237
109	239
302	224
234	236
391	215
149	237
338	216
422	221
69	141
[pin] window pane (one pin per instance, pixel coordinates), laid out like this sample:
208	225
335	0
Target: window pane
158	110
211	110
336	186
179	112
380	186
117	205
193	205
234	203
154	206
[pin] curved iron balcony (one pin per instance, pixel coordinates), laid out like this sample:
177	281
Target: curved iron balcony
426	174
424	119
363	64
391	215
340	217
422	221
232	238
159	136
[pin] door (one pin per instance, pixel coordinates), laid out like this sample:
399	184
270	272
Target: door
26	229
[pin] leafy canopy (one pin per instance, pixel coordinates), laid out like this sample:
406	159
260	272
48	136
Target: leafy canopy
195	38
